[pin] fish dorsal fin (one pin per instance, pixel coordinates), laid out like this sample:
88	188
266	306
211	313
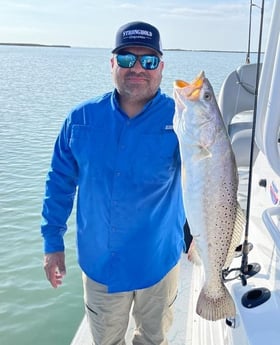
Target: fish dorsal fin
239	225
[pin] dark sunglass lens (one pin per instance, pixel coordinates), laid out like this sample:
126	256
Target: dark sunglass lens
126	60
149	62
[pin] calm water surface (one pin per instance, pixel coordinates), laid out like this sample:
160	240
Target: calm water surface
38	87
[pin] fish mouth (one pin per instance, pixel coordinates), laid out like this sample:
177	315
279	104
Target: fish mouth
190	91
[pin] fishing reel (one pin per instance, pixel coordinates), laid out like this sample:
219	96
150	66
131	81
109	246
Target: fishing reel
246	270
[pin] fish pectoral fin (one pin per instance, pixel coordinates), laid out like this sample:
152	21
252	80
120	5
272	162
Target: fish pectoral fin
202	153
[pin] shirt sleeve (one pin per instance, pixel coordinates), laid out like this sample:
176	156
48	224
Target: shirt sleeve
60	192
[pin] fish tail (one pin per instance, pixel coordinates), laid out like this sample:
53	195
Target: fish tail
217	307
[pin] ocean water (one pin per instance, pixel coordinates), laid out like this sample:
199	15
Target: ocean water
38	87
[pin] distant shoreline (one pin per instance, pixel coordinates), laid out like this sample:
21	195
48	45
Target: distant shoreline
167	49
35	45
209	50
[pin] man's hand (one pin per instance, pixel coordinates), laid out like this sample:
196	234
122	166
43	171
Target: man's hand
54	265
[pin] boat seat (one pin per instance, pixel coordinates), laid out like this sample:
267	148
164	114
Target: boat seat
241	143
236	101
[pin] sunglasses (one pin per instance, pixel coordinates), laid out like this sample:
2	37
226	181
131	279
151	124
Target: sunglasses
128	60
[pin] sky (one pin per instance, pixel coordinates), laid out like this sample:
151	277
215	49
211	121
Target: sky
183	24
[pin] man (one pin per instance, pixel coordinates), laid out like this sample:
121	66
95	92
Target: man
120	153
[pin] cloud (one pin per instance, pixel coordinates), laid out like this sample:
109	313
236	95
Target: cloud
128	6
211	12
183	23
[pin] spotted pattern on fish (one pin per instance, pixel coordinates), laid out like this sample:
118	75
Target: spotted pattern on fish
209	183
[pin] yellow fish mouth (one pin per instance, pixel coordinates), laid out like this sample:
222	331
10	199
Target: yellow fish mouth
190	90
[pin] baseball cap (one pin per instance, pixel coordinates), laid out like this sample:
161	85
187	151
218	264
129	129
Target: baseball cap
138	34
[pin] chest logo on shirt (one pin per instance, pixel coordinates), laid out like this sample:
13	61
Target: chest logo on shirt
168	127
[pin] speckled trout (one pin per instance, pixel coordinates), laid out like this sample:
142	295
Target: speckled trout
209	183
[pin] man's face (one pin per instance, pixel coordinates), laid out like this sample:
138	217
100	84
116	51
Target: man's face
137	83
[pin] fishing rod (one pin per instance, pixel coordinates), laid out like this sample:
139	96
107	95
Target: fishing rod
248	270
245	268
250	31
249	34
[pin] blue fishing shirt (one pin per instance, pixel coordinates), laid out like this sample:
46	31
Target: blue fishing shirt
126	174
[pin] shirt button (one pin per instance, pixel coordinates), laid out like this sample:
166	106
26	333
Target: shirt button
118	173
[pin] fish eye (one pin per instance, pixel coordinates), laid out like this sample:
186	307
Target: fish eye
207	96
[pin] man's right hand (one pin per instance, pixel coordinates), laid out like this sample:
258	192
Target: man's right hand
54	265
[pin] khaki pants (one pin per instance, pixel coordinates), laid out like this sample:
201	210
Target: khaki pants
108	313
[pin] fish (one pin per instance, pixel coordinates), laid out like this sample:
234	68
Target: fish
209	190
